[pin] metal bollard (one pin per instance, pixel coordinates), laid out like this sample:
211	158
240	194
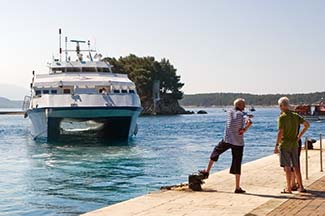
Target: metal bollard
321	152
306	153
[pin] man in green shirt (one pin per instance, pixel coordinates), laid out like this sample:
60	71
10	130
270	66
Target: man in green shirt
287	142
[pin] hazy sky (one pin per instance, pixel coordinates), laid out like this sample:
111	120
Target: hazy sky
217	46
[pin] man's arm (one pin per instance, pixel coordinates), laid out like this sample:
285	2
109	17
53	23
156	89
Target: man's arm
278	140
248	124
303	131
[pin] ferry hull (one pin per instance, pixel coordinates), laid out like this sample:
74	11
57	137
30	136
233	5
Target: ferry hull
106	122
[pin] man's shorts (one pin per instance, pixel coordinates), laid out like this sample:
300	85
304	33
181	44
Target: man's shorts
237	155
289	158
299	152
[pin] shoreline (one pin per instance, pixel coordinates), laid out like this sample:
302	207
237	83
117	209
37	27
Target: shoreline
12	112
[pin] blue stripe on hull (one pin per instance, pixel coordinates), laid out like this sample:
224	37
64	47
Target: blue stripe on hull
87	108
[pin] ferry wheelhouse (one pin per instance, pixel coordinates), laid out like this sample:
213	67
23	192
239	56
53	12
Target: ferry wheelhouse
79	96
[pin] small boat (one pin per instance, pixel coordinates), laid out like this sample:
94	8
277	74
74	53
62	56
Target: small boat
319	109
82	95
252	109
311	112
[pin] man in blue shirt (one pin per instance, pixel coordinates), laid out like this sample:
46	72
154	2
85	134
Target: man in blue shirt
237	124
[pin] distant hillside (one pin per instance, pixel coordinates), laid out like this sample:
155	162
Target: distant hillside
6	103
224	99
13	92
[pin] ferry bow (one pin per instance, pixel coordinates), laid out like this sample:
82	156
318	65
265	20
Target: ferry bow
82	96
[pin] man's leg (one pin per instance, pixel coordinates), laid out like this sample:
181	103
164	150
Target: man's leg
286	162
299	178
287	170
237	156
237	176
210	164
296	164
217	151
293	179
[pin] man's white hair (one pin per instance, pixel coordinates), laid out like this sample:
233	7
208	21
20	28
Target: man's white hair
238	100
284	101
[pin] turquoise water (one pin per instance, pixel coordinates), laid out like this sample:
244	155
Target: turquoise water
79	175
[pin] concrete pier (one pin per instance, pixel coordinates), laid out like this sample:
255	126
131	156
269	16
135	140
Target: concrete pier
263	180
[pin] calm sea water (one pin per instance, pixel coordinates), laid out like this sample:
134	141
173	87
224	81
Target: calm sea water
79	175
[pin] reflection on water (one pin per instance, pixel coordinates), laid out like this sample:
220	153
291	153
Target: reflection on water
81	173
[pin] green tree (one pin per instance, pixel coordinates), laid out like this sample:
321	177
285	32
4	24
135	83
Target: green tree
170	81
144	70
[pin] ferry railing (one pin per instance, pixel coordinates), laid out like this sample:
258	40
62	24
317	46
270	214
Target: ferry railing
26	103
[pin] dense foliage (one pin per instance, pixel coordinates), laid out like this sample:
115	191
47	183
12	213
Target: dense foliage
144	70
224	99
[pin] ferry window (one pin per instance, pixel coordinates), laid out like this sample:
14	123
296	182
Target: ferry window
46	91
89	69
57	70
103	70
124	91
73	69
102	91
66	91
37	92
116	91
54	91
131	91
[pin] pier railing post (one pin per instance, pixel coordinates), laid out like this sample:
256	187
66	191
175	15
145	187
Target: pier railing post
306	160
321	152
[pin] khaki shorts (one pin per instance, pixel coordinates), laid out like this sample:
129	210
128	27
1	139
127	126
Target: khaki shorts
289	157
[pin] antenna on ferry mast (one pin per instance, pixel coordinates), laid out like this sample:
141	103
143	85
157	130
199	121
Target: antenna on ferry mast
91	58
60	48
79	55
66	49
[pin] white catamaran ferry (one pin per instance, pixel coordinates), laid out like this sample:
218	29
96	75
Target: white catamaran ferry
82	95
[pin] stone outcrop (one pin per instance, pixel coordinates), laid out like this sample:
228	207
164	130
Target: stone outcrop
202	112
167	105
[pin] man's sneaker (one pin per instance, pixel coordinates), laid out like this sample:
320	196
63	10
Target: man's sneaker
239	190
